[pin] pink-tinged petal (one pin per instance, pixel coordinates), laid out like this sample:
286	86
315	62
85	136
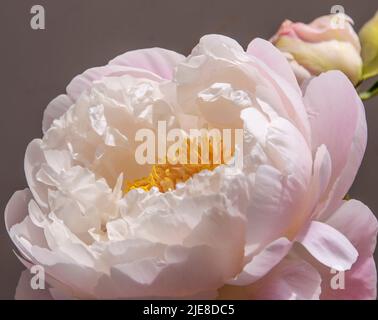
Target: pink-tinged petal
349	172
84	81
355	220
156	60
263	262
264	212
360	226
65	273
292	278
182	276
332	105
286	182
31	242
57	290
19	224
34	158
209	255
322	170
328	246
274	59
16	209
291	100
58	106
359	283
55	109
322	29
20	227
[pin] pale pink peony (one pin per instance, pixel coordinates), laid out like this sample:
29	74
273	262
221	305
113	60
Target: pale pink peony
271	230
327	43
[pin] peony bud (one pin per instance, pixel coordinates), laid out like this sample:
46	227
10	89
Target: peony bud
327	43
369	42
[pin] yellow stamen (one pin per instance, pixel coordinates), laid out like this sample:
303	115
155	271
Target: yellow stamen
166	176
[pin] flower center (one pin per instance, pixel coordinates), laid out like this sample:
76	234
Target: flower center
166	176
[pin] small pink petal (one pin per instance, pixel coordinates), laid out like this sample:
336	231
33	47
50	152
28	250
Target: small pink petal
328	246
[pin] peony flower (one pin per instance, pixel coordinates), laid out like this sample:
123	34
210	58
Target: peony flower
327	43
275	228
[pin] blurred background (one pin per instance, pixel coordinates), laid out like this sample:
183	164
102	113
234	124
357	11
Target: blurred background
36	66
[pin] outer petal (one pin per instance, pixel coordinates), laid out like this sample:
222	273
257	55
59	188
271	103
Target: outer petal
291	98
360	226
58	106
280	184
272	57
180	276
156	60
69	263
19	225
356	222
154	64
263	262
16	209
55	109
348	173
328	246
219	59
292	278
332	105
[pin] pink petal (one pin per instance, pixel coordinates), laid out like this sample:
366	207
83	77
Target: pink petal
34	157
292	279
360	283
321	174
156	60
263	262
274	59
358	224
16	209
55	109
291	99
84	81
348	173
328	246
332	105
58	106
279	190
20	227
184	275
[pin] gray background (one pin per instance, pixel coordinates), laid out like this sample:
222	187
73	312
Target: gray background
36	66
